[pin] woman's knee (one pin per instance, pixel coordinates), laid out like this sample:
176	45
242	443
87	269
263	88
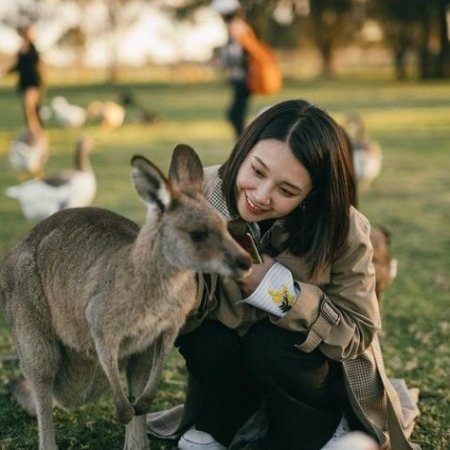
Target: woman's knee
260	352
269	351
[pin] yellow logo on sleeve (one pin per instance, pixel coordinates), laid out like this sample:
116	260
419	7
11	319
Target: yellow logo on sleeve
283	298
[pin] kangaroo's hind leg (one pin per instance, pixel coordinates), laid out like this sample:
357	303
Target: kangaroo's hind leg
79	379
39	355
138	371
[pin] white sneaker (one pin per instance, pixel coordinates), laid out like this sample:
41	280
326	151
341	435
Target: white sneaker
194	439
344	439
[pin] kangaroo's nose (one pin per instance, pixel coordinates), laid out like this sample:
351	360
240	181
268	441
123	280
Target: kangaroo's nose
243	262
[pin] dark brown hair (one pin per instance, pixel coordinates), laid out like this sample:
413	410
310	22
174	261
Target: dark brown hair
318	228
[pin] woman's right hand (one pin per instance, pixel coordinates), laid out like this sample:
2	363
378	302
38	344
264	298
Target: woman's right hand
251	281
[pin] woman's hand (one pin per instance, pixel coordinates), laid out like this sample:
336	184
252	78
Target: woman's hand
250	282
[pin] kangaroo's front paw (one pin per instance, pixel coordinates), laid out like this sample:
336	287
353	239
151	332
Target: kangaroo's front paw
124	413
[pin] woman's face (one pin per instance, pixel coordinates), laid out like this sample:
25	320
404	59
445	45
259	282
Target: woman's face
271	182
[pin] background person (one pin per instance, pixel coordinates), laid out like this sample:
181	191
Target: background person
299	333
234	59
30	79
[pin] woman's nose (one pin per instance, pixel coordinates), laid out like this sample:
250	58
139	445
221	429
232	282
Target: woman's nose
263	195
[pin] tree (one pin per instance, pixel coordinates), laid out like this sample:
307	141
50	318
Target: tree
418	27
333	24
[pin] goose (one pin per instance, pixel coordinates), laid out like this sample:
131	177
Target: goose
39	198
29	153
385	266
70	116
111	113
141	114
367	154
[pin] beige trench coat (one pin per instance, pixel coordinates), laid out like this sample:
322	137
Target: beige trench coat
338	312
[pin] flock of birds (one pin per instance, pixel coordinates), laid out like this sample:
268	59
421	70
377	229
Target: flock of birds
44	195
41	196
110	114
69	115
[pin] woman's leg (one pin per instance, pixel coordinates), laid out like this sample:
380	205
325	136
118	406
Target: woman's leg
32	101
229	397
301	412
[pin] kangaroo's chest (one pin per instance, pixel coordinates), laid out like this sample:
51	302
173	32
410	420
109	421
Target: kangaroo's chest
166	313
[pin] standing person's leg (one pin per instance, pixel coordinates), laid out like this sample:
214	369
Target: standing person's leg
237	112
32	100
301	411
228	395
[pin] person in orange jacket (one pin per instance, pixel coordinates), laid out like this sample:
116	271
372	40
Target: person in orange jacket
234	58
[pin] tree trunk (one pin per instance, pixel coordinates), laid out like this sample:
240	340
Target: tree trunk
400	63
443	62
326	52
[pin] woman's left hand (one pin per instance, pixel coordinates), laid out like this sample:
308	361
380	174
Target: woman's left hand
250	282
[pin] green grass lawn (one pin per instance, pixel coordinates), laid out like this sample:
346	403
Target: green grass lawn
411	198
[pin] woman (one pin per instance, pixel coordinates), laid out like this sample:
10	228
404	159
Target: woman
297	336
30	80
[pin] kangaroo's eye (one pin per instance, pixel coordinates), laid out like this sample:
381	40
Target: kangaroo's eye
198	235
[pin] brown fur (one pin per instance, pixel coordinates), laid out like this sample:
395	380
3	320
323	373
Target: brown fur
385	266
87	292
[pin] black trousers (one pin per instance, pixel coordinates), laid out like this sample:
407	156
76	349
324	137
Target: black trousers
236	373
237	110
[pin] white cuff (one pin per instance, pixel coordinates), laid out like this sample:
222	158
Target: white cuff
276	293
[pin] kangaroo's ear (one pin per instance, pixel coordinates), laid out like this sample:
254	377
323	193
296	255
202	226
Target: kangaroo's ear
186	169
151	185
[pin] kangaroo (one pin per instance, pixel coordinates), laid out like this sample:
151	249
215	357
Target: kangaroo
87	293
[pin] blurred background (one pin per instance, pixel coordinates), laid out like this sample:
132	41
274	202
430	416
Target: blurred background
137	77
104	40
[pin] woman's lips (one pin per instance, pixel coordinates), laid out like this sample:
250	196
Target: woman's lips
252	207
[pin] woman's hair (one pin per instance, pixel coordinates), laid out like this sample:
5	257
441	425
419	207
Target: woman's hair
318	228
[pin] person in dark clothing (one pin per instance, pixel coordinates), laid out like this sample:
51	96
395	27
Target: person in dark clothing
29	81
234	59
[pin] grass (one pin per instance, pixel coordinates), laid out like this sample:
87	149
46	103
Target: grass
411	198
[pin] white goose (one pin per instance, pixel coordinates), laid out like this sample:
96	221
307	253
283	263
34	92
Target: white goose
67	189
367	155
29	153
71	116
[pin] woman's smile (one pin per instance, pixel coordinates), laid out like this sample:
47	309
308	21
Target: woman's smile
255	209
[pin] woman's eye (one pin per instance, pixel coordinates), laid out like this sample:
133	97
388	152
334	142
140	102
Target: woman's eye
257	172
286	193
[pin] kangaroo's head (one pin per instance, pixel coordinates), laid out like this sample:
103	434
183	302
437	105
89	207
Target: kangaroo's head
191	233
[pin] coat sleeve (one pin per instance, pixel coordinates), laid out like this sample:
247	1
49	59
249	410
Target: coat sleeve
342	316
